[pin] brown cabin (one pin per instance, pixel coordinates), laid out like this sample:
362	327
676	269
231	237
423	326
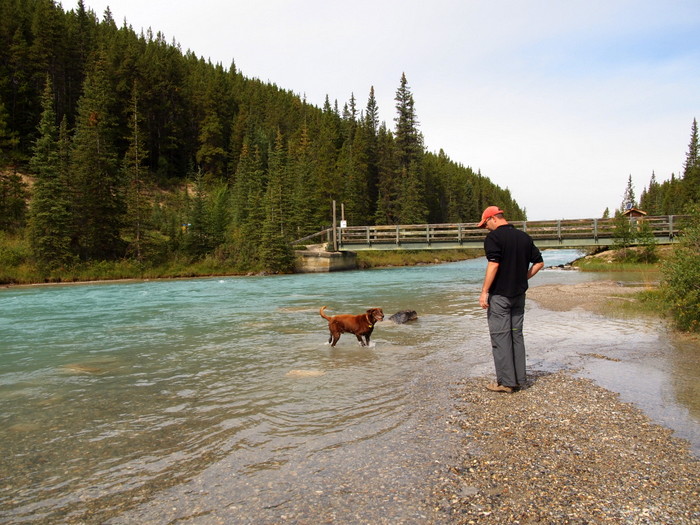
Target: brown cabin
634	212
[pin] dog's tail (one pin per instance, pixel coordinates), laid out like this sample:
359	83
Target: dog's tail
322	314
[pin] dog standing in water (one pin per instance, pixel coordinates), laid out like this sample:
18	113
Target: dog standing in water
360	325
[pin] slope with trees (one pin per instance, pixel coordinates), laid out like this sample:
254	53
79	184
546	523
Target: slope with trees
118	146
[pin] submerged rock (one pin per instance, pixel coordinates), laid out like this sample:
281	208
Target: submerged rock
305	373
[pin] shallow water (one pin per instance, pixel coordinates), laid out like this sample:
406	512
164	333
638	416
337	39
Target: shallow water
218	400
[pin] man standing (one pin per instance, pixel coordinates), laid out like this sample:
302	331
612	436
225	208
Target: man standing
509	253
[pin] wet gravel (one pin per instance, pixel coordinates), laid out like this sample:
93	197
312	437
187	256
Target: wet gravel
565	451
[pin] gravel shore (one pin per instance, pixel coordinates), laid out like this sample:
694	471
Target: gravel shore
565	450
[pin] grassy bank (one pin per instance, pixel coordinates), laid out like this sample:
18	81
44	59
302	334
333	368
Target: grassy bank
16	268
653	300
616	261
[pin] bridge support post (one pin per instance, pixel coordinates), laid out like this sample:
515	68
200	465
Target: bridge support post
335	230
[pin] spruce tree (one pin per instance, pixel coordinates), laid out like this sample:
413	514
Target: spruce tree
50	218
628	198
388	187
138	210
248	213
370	125
197	238
325	160
98	184
409	141
303	203
409	144
691	168
356	198
412	208
276	253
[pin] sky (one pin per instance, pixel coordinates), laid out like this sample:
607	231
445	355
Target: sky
560	101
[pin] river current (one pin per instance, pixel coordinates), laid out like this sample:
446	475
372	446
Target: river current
219	400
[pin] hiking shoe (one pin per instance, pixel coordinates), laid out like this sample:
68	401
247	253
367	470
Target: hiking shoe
495	387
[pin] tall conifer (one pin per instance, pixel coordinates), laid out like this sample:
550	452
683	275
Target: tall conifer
138	209
691	168
99	188
50	218
275	251
409	144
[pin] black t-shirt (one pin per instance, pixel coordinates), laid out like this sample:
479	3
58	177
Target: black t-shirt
514	251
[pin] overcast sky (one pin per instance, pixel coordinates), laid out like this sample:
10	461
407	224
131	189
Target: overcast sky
559	101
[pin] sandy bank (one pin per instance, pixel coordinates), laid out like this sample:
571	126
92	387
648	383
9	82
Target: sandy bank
590	296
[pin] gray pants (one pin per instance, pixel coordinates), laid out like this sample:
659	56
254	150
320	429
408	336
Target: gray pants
505	317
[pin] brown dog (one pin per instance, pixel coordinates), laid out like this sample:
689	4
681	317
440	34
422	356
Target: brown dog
360	325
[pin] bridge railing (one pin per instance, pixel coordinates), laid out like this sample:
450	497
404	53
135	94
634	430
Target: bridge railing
665	228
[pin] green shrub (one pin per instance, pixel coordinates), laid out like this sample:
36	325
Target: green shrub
14	251
681	278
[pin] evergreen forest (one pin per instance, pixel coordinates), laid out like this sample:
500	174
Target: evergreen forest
118	146
121	155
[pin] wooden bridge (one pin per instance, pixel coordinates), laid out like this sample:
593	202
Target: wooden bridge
575	233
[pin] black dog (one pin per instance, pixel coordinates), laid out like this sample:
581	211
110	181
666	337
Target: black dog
404	316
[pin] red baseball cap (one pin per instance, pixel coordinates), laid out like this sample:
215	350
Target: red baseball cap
488	213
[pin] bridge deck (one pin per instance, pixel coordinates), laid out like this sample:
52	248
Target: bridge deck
546	234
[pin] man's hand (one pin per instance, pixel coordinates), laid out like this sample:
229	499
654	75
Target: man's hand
491	271
484	299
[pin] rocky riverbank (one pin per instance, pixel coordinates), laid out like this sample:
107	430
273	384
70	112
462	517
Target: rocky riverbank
566	450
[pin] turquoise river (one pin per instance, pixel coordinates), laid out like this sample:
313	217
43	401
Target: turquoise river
219	400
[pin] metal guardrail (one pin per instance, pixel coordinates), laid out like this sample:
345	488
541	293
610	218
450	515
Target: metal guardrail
554	233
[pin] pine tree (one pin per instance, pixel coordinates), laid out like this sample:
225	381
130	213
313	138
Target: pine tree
276	253
409	145
99	188
409	141
370	124
691	168
50	218
325	160
651	198
356	170
197	238
692	158
138	209
219	213
248	213
412	208
303	203
628	199
388	179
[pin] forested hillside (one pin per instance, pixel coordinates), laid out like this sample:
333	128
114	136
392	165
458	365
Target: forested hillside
116	145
